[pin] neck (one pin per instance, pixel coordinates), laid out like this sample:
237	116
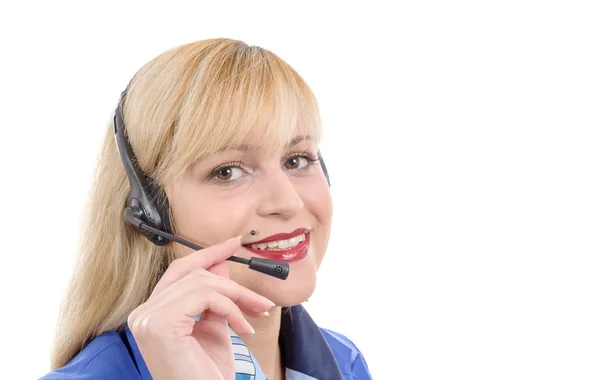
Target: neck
264	345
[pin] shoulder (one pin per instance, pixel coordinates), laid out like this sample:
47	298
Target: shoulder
349	357
105	357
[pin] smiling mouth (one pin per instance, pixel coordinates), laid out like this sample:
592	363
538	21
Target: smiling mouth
280	245
292	249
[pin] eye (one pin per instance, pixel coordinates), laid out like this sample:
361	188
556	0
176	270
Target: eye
225	174
299	161
228	173
295	162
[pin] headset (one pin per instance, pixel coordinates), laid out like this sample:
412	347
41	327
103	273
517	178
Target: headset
147	205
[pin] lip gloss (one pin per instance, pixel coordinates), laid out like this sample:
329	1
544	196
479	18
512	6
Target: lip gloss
290	255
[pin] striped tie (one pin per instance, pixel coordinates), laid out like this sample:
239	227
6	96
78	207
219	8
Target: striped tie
245	367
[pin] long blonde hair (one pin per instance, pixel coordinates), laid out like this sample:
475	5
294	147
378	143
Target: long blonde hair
185	104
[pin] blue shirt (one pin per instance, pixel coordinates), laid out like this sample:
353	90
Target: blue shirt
309	353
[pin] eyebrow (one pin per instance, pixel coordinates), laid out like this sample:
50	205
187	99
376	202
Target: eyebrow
298	139
245	147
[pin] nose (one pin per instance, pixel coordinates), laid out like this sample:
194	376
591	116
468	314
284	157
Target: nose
280	196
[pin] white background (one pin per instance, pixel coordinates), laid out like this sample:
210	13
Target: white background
462	140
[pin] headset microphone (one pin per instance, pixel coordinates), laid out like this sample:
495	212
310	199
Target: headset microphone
147	208
270	267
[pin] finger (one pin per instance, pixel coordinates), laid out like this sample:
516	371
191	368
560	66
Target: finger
204	258
178	317
209	316
201	281
213	328
217	307
220	269
240	295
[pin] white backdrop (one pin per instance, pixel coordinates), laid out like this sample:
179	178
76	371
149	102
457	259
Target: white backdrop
462	140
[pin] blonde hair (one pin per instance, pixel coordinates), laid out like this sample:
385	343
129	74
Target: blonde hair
185	104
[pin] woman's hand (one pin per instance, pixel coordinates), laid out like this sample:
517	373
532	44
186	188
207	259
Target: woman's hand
175	346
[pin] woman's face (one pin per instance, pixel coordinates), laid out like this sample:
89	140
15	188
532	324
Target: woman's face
236	191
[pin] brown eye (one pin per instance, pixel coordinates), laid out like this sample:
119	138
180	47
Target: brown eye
228	174
293	163
299	162
224	174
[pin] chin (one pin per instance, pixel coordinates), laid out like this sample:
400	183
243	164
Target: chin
289	293
297	288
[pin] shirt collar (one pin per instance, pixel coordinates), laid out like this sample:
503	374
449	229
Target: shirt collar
304	347
306	353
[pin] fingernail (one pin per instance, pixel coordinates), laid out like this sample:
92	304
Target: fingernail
251	328
266	314
271	303
235	239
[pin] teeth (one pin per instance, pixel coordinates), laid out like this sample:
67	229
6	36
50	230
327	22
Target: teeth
281	244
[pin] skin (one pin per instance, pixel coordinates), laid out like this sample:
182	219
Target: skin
272	192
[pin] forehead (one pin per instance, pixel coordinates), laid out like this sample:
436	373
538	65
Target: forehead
249	147
271	124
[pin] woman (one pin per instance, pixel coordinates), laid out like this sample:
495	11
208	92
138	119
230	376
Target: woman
227	135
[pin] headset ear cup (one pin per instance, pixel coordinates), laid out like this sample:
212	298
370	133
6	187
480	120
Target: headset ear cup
324	168
160	206
146	201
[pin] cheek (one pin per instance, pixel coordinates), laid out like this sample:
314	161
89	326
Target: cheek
319	204
208	219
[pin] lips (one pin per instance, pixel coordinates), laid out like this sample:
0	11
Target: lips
296	253
282	236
